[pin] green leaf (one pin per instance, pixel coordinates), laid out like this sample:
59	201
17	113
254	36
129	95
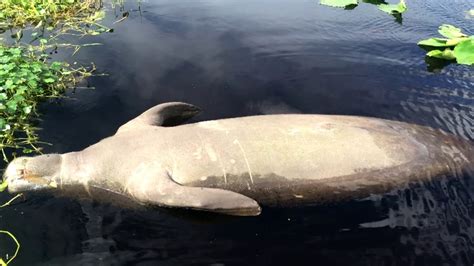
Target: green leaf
9	83
15	51
12	105
3	186
394	9
464	52
455	41
27	109
447	54
450	32
49	80
339	3
435	42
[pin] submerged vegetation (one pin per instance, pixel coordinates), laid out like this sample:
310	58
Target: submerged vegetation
455	45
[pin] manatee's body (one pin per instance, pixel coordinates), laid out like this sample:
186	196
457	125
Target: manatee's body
281	160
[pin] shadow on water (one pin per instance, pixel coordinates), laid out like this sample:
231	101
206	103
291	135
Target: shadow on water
237	58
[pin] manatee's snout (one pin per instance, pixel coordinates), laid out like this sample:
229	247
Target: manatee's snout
32	173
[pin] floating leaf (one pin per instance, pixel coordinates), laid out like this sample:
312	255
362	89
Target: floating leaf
450	32
394	9
435	42
339	3
455	41
447	54
464	52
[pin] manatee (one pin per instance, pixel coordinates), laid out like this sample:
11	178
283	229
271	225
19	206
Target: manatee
234	166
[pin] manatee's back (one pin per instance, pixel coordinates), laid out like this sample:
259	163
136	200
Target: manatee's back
278	155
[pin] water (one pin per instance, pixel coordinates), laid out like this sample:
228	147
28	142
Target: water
238	58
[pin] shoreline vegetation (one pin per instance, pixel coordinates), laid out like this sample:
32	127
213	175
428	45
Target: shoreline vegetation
31	32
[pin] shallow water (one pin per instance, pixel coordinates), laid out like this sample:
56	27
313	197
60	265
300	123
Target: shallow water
237	58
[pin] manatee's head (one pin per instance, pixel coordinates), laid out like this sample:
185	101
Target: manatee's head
33	173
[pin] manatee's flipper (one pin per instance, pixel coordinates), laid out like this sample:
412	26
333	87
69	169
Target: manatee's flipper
163	191
166	114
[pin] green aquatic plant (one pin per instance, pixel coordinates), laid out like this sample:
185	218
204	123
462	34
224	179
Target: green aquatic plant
3	186
25	80
27	74
17	243
393	9
3	262
455	45
46	13
339	3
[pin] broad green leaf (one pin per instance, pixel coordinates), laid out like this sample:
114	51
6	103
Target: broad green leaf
464	52
49	80
435	42
9	83
447	54
339	3
450	32
12	106
394	8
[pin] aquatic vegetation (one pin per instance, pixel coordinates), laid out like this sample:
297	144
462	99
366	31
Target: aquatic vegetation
4	186
10	259
455	45
27	74
26	79
46	14
339	3
393	9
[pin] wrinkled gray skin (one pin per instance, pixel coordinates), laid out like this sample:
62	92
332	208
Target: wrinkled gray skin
233	165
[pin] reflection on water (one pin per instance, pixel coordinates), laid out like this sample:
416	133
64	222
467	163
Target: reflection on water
236	58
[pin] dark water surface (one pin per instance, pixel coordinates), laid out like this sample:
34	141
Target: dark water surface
238	58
